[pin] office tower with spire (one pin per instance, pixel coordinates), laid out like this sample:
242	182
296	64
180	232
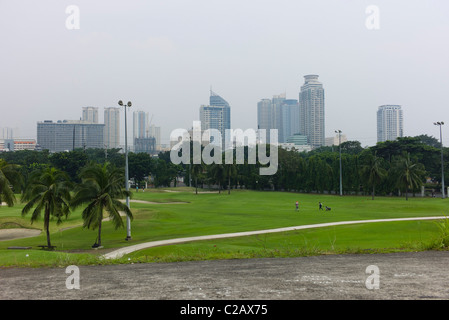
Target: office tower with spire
111	127
390	124
216	115
311	111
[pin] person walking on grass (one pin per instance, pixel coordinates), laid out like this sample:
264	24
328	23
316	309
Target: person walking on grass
321	205
297	206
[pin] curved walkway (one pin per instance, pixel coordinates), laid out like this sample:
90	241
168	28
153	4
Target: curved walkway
122	251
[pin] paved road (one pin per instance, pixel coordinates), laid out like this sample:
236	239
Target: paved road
402	276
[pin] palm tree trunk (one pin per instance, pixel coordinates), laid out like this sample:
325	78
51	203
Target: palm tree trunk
46	225
99	234
196	185
373	193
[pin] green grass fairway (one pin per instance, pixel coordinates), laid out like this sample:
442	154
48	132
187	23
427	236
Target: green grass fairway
178	212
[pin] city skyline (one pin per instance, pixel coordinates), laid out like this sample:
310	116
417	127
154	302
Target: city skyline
165	60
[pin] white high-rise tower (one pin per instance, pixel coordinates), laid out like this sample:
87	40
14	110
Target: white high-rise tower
311	111
389	123
112	127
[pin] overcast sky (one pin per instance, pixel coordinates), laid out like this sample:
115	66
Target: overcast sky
165	56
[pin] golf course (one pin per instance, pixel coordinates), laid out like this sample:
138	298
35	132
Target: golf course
175	213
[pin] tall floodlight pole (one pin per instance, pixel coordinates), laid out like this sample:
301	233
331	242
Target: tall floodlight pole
440	124
128	220
339	144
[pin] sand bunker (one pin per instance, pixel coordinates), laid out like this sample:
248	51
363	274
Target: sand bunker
17	233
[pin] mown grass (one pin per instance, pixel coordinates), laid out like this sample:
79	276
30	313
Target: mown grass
213	213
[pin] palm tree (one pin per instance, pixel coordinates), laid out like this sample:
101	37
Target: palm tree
372	172
9	176
101	188
408	174
47	190
231	172
197	170
217	173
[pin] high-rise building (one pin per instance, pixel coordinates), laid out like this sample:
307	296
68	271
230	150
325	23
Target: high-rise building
216	115
290	118
90	114
155	132
111	127
68	135
140	124
264	119
9	133
278	113
389	122
311	110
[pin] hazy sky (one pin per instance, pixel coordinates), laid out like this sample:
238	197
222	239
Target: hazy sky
165	55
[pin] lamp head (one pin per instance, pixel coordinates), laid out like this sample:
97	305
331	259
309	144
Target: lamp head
120	103
129	103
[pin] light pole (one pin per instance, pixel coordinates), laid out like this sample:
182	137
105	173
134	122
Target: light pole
339	145
440	124
128	220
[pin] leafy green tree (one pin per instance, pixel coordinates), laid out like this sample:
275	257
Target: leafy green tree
49	191
101	189
70	162
9	178
140	166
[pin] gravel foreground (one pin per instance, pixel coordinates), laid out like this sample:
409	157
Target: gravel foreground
395	276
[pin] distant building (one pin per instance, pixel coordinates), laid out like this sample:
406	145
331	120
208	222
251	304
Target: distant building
68	135
9	133
293	147
145	145
19	144
311	110
298	139
155	132
90	114
390	123
278	113
216	115
112	127
290	118
335	141
140	124
264	116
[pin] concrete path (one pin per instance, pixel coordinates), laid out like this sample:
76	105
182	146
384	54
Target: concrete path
122	251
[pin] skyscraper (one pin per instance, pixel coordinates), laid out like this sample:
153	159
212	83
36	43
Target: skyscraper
140	124
290	118
311	110
389	122
278	113
90	114
112	127
216	115
264	118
